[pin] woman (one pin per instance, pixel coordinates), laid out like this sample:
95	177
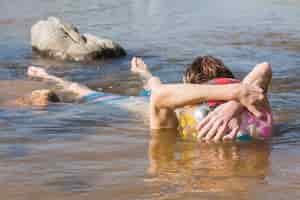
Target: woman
165	98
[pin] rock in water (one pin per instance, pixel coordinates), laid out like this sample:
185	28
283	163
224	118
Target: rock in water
57	39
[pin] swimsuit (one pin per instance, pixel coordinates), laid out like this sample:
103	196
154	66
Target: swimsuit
101	97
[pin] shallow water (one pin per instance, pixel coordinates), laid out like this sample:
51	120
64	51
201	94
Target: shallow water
92	152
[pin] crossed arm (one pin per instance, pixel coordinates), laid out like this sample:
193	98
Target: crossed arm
226	118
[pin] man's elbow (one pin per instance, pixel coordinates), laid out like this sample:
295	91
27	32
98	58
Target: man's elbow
266	68
159	98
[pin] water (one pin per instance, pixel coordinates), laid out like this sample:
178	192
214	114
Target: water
91	152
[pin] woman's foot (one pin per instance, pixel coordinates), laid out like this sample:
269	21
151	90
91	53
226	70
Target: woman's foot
37	72
138	65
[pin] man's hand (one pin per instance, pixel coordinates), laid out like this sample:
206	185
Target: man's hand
249	96
217	123
233	128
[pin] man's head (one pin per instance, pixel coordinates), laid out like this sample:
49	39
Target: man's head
205	68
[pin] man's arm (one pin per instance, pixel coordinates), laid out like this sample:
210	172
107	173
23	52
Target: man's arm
178	95
214	125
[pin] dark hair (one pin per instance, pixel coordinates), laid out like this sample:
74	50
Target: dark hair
206	68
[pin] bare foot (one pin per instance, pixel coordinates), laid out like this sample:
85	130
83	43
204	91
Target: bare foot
37	72
138	65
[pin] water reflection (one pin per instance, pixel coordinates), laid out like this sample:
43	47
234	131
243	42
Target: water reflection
190	167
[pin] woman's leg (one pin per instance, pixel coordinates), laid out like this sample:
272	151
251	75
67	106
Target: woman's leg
139	67
68	86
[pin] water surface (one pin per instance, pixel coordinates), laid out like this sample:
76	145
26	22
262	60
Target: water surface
90	151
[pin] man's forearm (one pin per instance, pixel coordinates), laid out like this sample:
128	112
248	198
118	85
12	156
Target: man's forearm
178	95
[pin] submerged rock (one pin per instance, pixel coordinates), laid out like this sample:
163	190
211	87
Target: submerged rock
57	39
